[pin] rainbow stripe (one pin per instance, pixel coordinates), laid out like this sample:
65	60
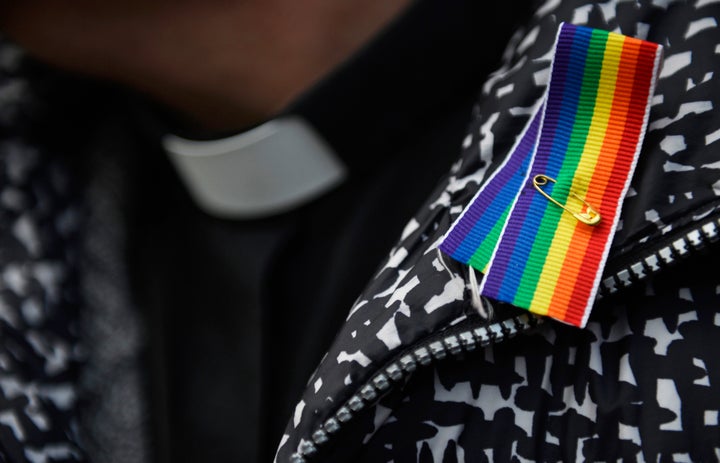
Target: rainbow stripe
476	233
592	128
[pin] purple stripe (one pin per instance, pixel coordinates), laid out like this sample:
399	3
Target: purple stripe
466	228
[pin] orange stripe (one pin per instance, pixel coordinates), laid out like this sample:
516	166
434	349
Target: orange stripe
582	234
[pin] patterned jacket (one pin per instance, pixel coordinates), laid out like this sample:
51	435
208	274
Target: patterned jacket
417	374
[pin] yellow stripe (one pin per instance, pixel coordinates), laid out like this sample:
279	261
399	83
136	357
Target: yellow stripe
560	247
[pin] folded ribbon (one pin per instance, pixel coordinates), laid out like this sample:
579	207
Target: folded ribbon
541	226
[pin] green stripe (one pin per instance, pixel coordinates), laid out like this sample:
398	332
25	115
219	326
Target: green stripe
484	252
583	118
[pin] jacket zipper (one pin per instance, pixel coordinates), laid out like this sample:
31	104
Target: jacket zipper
477	334
451	342
671	251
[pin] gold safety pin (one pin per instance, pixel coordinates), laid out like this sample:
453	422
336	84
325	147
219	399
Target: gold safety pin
587	216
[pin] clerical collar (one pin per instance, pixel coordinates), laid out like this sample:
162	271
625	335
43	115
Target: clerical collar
267	170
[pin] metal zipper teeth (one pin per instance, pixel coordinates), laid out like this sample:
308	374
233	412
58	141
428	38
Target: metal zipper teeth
678	249
454	342
451	343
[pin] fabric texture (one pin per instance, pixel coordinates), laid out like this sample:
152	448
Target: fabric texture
639	384
673	197
115	414
40	217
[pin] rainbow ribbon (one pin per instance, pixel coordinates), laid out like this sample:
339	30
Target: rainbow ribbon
541	226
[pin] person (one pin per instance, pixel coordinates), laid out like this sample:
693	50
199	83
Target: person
415	372
197	328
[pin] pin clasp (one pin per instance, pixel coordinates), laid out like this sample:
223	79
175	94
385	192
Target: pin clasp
586	215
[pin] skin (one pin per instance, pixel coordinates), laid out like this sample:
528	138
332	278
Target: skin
222	64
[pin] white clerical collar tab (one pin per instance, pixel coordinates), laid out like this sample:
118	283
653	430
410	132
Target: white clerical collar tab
273	168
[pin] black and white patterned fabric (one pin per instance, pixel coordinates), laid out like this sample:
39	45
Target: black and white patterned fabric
638	384
39	222
71	383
